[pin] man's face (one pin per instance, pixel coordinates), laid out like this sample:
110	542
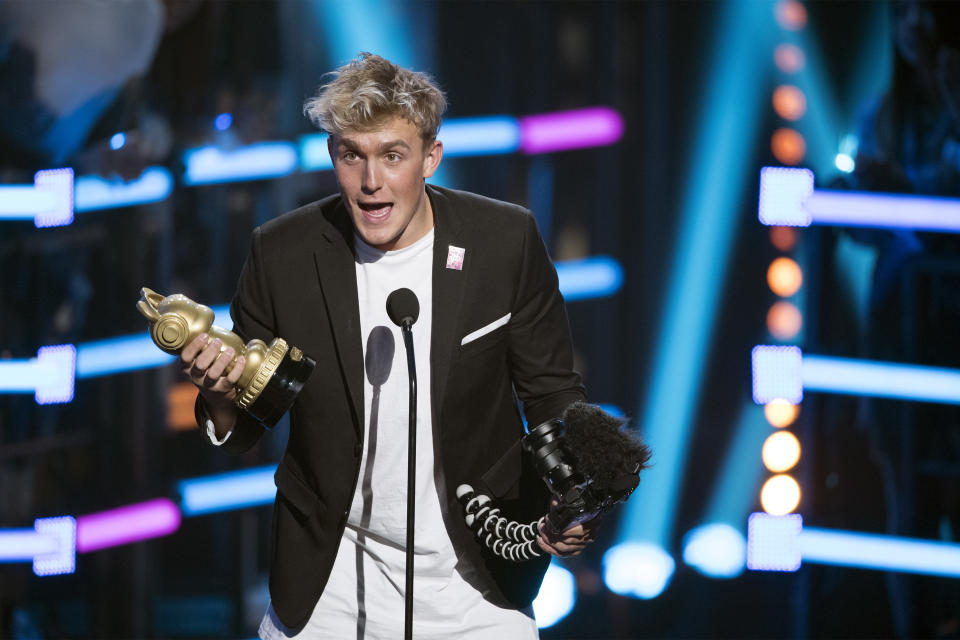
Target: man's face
381	175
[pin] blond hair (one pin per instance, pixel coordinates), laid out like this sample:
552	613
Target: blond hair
371	89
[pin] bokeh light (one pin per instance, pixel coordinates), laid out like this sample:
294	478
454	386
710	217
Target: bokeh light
791	15
781	451
788	146
781	413
784	320
789	102
783	238
789	58
784	277
780	495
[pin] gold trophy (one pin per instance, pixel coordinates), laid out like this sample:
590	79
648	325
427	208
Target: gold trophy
272	375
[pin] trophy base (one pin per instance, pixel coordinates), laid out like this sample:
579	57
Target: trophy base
282	388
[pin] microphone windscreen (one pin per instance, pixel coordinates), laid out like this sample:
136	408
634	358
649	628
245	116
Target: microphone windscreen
403	307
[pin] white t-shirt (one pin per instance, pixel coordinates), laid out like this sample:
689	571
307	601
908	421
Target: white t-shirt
364	597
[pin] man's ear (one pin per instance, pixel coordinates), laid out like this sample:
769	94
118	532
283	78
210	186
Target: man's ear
432	158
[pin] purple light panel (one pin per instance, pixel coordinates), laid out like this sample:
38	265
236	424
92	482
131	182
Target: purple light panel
132	523
63	559
777	374
563	130
773	542
59	183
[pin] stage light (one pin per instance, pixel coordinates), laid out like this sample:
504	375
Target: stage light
783	238
780	495
789	102
594	277
117	141
262	160
48	202
783	192
724	131
223	122
784	320
781	543
637	569
21	545
314	154
780	413
557	596
93	192
788	146
564	130
58	364
791	15
789	58
788	197
63	560
881	379
181	398
772	542
124	525
480	136
844	163
777	374
781	451
715	550
227	491
784	277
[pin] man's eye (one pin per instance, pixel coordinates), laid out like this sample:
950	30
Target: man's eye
349	155
393	157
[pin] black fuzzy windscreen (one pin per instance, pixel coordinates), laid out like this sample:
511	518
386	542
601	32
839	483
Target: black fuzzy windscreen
604	450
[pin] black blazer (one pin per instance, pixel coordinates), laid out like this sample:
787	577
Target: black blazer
299	283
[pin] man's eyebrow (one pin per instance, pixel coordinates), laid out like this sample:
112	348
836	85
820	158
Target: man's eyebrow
394	143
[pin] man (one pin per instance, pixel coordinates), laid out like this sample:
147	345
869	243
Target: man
492	330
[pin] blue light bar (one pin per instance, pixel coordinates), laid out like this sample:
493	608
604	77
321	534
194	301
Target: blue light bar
94	192
227	491
557	596
211	165
21	545
594	277
783	372
131	352
716	550
48	202
50	376
116	355
480	136
788	197
314	155
637	569
791	540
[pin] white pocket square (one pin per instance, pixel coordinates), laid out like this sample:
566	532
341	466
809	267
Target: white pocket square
482	331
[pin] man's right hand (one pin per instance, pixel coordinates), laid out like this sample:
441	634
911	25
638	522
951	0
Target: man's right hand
204	363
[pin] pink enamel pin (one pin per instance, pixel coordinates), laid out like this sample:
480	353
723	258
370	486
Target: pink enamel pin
455	257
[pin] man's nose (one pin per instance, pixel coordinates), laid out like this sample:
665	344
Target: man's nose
372	180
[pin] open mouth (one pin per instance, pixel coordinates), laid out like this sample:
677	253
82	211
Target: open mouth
375	210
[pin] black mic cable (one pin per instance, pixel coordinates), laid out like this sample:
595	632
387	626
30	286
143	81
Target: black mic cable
404	309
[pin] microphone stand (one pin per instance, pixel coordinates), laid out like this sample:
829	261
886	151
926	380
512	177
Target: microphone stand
411	478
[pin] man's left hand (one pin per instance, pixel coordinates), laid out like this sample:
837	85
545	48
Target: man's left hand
570	542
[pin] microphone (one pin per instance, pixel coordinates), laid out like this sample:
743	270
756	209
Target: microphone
404	309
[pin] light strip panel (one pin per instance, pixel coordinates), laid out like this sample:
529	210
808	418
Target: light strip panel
212	165
784	373
50	376
565	130
48	202
785	542
227	491
127	524
485	136
93	192
64	558
788	197
594	277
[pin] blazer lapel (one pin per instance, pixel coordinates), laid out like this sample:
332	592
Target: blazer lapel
338	283
448	287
